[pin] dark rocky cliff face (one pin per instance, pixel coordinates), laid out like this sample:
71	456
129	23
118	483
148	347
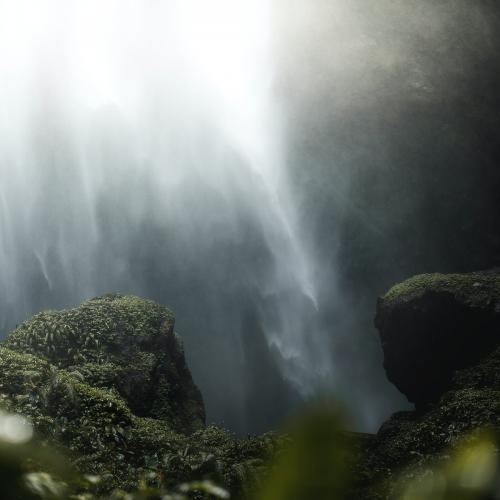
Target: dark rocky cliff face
441	340
434	324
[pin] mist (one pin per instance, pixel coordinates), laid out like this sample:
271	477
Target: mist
142	153
391	112
264	169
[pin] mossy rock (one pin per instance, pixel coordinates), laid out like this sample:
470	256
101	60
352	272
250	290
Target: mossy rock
434	324
63	409
479	289
123	343
107	385
441	340
413	443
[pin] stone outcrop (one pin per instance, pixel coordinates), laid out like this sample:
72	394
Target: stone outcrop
107	384
441	340
122	343
434	324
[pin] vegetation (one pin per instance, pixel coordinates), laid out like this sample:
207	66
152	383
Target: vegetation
106	385
315	461
124	344
474	288
74	427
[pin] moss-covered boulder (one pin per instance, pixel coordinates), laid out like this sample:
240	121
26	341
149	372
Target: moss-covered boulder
106	383
441	341
434	324
123	343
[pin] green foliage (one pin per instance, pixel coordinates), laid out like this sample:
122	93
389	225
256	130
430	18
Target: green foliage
121	343
95	428
123	411
316	462
92	332
21	373
471	473
473	288
32	472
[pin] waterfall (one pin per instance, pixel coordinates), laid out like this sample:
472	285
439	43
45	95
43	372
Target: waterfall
142	151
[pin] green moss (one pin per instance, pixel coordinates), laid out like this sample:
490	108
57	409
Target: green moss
149	436
107	383
410	442
473	288
21	373
94	331
122	343
98	374
485	374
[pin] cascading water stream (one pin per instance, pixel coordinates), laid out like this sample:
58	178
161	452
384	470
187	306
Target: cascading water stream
141	152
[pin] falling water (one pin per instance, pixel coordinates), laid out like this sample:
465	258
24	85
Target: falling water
141	152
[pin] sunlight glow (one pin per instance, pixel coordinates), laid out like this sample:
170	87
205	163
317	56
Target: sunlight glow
179	90
225	40
227	46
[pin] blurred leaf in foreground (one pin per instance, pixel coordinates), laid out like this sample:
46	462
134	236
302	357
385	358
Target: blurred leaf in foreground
316	464
21	459
471	473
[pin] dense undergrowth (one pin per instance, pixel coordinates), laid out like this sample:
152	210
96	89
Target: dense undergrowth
98	403
315	461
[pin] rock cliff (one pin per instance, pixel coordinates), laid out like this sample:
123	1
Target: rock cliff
441	341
